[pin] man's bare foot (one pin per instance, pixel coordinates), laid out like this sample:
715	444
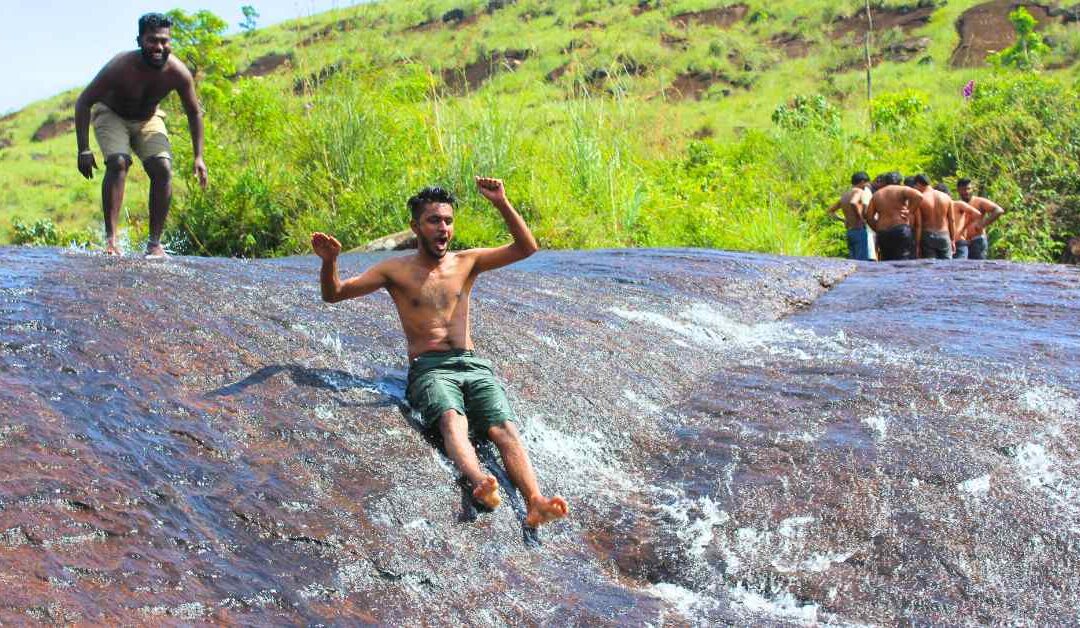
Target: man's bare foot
545	509
112	249
155	251
487	492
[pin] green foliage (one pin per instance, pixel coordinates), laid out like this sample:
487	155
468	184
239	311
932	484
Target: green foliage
43	232
896	111
250	19
1029	48
1020	140
808	112
198	39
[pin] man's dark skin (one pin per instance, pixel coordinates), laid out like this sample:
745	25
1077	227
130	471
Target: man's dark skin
132	85
990	210
891	206
966	218
935	213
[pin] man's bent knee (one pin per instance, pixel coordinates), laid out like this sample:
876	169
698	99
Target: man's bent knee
118	163
158	168
452	418
503	433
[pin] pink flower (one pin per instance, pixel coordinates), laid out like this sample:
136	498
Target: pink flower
969	89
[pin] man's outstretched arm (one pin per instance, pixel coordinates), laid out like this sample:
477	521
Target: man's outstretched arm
333	289
524	243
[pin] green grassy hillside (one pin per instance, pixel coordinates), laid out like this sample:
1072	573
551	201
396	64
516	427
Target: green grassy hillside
615	123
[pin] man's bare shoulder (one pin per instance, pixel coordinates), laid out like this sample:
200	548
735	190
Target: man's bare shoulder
118	66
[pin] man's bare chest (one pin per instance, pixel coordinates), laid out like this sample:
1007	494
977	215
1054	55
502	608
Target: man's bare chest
436	291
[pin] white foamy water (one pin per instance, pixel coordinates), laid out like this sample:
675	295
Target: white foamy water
975	486
1049	402
690	604
1036	465
878	424
695	520
782	605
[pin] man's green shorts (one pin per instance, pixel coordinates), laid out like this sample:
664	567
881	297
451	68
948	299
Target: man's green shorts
457	380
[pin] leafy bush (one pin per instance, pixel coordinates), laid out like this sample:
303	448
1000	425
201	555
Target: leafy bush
1020	141
1029	48
43	232
814	112
897	111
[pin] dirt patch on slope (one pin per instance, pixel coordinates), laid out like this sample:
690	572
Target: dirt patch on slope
454	19
341	26
907	19
722	17
266	64
985	29
53	128
5	142
313	81
694	85
791	44
460	81
674	41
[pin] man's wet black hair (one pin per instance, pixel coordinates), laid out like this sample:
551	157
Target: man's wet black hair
941	187
426	196
892	178
153	21
909	181
963	182
922	179
859	178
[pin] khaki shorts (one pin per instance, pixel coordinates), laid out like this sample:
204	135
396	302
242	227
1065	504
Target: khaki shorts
117	136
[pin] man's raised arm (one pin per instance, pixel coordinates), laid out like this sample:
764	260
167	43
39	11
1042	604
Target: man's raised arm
195	124
333	289
524	243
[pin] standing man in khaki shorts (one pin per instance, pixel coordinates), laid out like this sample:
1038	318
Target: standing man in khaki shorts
122	102
452	388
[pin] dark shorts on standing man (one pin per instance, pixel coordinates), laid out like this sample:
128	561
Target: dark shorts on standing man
978	247
457	380
936	245
961	250
897	243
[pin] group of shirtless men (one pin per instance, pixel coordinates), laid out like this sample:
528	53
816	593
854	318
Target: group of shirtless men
912	219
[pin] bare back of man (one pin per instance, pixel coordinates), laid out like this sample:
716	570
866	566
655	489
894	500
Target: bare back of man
448	384
122	103
934	222
890	215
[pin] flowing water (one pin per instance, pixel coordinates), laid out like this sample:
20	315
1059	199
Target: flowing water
742	439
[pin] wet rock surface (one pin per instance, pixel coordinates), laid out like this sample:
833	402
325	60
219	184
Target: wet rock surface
742	439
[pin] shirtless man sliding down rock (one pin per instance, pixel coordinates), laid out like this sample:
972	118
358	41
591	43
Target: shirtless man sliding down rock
979	245
448	384
934	221
890	213
122	101
853	202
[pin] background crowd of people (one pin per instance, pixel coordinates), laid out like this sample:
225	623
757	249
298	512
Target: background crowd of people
893	218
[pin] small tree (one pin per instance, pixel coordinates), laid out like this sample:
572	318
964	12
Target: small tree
199	42
250	15
1029	48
